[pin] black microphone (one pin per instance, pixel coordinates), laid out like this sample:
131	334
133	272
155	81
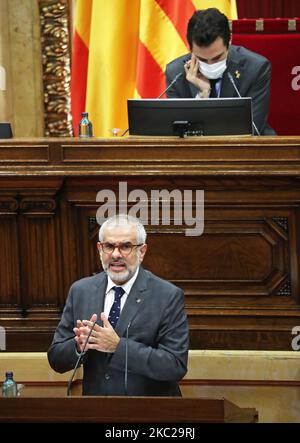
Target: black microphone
238	93
171	84
78	360
126	362
168	87
186	59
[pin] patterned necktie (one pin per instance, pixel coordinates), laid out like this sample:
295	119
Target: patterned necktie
115	310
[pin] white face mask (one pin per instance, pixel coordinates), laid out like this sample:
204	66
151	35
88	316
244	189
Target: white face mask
213	71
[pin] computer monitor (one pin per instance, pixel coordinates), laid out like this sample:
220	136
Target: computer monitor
181	116
5	130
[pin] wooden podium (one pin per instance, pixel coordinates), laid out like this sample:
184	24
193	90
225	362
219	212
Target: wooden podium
123	410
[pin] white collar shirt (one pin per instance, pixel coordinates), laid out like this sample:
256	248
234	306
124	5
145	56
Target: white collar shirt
110	293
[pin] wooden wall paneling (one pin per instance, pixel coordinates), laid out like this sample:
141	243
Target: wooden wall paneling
39	254
268	8
256	229
251	236
218	270
87	239
80	196
241	277
10	297
294	254
58	243
69	239
33	238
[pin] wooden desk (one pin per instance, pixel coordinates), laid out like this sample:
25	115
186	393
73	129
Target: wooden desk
123	410
241	277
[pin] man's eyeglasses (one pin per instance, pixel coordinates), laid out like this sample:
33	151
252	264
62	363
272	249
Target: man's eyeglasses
123	248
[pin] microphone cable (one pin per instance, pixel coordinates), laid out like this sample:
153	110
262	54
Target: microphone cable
238	93
126	362
78	360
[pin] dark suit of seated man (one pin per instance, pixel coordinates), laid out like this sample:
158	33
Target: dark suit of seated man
212	58
152	325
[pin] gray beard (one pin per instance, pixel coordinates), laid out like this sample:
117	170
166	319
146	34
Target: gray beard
124	276
120	277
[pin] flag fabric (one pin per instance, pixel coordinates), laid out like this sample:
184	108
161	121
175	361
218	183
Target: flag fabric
120	51
80	59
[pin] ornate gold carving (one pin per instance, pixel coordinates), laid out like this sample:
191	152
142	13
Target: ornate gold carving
56	67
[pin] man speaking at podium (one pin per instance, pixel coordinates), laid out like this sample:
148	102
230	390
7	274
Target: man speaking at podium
139	343
218	69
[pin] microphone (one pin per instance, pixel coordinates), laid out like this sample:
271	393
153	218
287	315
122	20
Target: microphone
167	88
186	59
78	360
238	93
171	84
126	362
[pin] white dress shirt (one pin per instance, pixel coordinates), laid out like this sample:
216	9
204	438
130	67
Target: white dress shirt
110	293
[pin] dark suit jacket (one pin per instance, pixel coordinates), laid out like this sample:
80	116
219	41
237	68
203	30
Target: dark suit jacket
157	338
252	76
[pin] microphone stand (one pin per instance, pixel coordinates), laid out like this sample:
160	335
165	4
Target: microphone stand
79	359
166	90
238	93
126	362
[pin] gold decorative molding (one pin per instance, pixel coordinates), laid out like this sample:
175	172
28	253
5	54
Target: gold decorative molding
55	41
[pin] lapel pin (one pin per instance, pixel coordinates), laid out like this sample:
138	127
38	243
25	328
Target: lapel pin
237	74
138	300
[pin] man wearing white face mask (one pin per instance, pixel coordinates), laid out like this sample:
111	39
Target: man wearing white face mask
213	59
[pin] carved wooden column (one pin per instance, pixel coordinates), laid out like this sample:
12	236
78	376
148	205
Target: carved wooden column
55	40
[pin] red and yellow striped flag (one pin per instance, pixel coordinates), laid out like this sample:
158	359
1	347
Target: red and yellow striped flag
80	59
121	49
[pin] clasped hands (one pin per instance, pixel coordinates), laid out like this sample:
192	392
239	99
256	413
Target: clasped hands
103	338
